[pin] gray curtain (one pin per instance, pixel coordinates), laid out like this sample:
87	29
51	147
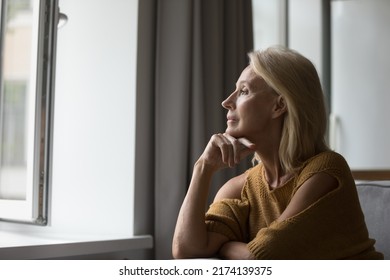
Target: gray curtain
200	50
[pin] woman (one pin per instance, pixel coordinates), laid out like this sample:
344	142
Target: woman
299	201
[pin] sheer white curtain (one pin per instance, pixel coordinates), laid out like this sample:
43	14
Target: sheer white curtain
199	50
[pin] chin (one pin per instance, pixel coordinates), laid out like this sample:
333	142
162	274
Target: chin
234	132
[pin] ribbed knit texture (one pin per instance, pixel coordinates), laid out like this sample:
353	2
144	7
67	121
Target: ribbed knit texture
331	228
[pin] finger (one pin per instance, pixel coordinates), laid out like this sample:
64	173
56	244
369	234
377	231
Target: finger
237	147
249	148
246	143
227	150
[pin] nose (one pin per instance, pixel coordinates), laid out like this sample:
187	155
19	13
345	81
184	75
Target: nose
229	103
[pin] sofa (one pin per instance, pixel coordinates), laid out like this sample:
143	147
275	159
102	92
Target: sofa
374	198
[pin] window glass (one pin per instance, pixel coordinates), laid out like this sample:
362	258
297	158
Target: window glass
15	98
269	23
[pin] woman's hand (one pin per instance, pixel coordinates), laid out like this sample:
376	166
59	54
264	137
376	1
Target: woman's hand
223	150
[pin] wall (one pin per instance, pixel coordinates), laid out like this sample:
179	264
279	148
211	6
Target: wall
360	82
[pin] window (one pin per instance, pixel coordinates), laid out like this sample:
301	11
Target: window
297	24
27	51
269	23
92	188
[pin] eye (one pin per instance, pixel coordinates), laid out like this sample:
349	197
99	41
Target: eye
243	92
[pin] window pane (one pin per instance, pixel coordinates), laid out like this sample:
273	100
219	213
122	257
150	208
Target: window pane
16	95
268	23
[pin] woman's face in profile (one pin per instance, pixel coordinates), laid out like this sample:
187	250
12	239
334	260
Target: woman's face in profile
250	106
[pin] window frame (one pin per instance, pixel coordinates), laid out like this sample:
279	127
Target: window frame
34	209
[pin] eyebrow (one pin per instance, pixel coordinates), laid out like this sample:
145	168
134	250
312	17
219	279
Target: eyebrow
250	84
245	83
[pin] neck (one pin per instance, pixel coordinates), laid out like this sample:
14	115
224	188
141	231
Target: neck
274	173
267	148
269	155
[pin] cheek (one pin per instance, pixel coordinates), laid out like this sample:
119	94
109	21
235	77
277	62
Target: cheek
255	111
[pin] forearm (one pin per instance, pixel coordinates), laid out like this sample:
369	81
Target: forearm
233	250
191	238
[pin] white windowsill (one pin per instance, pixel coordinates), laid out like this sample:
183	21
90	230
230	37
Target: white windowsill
19	246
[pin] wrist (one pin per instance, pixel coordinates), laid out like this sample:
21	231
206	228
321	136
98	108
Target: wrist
203	166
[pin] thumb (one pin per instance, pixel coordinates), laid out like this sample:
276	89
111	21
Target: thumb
247	143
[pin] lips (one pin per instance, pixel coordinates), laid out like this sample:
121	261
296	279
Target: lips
231	118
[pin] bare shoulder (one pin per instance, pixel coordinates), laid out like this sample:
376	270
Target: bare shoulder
232	188
311	191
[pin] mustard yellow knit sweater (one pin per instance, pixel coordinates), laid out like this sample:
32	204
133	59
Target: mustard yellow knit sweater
331	228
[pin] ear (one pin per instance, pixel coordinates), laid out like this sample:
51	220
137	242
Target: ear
280	107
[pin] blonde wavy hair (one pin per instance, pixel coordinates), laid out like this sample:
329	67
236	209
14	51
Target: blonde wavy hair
295	78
